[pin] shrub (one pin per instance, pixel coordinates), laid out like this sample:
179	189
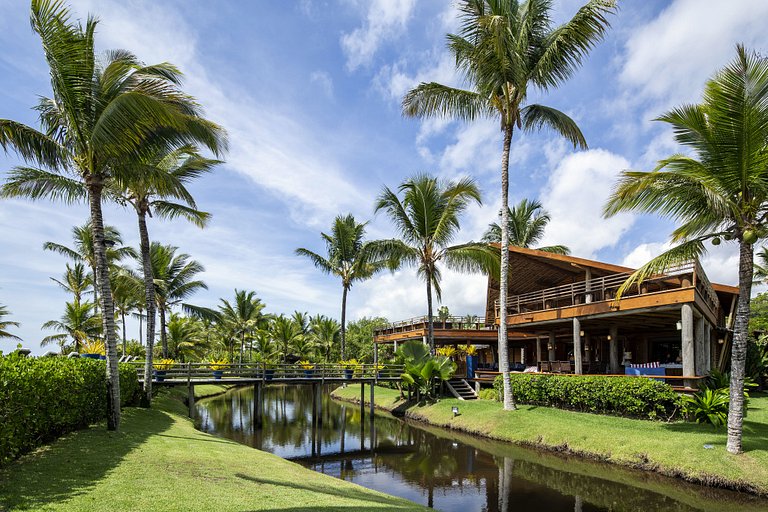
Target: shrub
708	406
488	394
622	396
43	398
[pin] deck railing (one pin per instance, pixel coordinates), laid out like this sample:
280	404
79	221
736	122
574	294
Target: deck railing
689	274
269	372
476	323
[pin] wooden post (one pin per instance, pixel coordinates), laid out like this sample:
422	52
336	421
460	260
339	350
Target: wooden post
538	349
577	345
614	349
552	354
588	285
701	333
375	362
689	353
362	400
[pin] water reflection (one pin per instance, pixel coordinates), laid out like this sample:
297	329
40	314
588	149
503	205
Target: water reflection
441	469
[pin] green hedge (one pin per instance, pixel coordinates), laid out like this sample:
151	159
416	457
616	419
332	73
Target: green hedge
622	396
42	398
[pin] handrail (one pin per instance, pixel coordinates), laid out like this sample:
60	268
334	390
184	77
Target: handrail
188	371
462	321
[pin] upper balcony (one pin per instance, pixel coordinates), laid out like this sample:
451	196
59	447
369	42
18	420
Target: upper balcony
451	329
684	283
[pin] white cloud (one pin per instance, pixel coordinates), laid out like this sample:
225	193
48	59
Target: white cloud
385	19
477	149
323	81
574	196
670	58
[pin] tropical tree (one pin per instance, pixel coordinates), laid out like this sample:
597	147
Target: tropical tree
158	188
76	280
126	294
5	324
174	279
324	333
80	323
243	317
427	221
101	113
422	368
349	258
284	332
527	221
504	48
717	191
185	338
359	336
761	269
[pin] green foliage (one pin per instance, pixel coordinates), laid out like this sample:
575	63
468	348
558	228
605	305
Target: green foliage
621	396
758	313
423	370
359	336
708	406
43	398
488	394
527	221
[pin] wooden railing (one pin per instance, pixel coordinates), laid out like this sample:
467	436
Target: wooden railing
604	288
451	322
268	372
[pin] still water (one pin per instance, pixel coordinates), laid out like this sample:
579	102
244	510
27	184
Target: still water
442	469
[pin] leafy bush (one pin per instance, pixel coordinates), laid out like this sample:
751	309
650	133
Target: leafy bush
488	394
708	406
422	369
43	398
622	396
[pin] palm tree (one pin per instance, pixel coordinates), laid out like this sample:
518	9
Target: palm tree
243	317
174	279
185	338
505	47
527	221
126	294
76	280
84	249
5	324
101	112
324	333
427	219
159	188
349	258
761	269
80	322
284	332
717	191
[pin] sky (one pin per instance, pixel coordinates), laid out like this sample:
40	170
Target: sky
309	92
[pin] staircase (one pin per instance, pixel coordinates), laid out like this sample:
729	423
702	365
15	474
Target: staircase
461	389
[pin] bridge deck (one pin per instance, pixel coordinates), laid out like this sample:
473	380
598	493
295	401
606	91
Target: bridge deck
183	381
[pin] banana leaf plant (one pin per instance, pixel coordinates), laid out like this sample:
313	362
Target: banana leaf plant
423	370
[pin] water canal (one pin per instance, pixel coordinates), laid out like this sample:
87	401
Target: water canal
442	469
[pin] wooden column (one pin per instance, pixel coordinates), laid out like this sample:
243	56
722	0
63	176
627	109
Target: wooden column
688	352
552	353
588	285
614	349
577	345
375	361
538	349
701	334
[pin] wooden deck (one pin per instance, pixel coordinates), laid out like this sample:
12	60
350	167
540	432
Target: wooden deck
450	330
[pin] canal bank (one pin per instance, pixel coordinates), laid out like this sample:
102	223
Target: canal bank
691	452
160	462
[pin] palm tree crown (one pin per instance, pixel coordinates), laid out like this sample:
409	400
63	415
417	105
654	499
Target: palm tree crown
427	221
717	191
5	324
527	221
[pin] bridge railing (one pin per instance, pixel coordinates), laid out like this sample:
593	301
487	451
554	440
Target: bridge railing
269	372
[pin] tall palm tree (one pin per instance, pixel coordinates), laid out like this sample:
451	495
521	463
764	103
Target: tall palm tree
101	112
504	48
284	332
349	258
84	250
185	338
527	221
242	317
5	324
126	294
159	188
427	220
175	280
79	322
76	280
324	333
718	190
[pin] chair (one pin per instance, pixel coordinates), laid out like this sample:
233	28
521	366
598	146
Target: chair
545	366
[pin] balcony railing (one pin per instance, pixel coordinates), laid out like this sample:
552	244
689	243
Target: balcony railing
451	322
604	288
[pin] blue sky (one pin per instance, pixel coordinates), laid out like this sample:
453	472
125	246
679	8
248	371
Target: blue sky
310	94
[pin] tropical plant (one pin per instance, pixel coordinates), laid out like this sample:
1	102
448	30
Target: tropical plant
761	269
218	365
349	257
175	280
306	365
101	112
359	336
469	350
76	280
79	323
185	338
708	406
283	331
5	324
126	295
527	221
93	347
504	48
448	352
303	346
427	221
443	313
163	364
717	191
422	369
324	333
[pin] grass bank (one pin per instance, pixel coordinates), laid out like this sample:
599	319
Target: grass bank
673	449
159	461
209	390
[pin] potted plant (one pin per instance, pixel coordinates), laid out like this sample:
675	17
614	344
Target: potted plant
350	366
377	368
309	368
218	368
471	351
162	366
93	349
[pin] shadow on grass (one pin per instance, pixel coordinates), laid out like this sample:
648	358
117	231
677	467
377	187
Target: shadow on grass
755	433
378	503
75	463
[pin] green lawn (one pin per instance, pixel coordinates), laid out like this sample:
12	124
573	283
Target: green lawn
159	462
207	390
676	449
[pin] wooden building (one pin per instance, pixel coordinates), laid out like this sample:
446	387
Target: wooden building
563	309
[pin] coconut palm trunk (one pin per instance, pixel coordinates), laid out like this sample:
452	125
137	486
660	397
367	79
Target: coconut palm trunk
344	324
163	334
503	345
739	350
149	298
430	321
95	187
